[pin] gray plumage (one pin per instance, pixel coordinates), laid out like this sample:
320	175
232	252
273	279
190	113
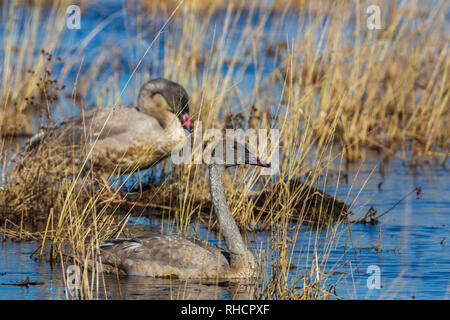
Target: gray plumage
126	138
173	256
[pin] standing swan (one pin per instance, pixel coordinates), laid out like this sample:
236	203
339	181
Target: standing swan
177	257
126	138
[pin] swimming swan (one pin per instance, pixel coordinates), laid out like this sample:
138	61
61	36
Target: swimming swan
177	257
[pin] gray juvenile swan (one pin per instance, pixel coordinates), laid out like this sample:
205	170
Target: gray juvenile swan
129	138
177	257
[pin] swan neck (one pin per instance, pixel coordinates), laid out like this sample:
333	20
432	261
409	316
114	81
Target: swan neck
229	229
146	103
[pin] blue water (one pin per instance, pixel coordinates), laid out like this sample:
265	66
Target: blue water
413	263
413	239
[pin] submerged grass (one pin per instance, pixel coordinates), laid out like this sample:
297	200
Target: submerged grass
336	91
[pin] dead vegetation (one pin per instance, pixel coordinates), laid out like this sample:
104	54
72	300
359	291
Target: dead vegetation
342	95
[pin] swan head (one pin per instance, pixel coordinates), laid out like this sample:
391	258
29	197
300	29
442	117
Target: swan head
166	94
230	153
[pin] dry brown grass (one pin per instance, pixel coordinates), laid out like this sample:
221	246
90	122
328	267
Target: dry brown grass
386	91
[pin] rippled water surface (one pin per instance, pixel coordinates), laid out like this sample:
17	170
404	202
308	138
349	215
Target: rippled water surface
414	255
410	245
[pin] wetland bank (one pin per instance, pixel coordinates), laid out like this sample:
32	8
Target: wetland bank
362	114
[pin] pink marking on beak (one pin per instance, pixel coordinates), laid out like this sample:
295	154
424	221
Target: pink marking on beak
261	163
186	119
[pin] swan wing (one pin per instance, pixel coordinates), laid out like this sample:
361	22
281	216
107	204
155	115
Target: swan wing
103	122
166	256
120	137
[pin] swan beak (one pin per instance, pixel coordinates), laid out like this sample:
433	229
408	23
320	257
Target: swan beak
261	163
186	121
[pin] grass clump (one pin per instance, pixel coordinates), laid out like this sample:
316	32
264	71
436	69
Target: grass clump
336	92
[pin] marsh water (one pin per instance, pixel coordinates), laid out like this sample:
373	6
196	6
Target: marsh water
410	245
